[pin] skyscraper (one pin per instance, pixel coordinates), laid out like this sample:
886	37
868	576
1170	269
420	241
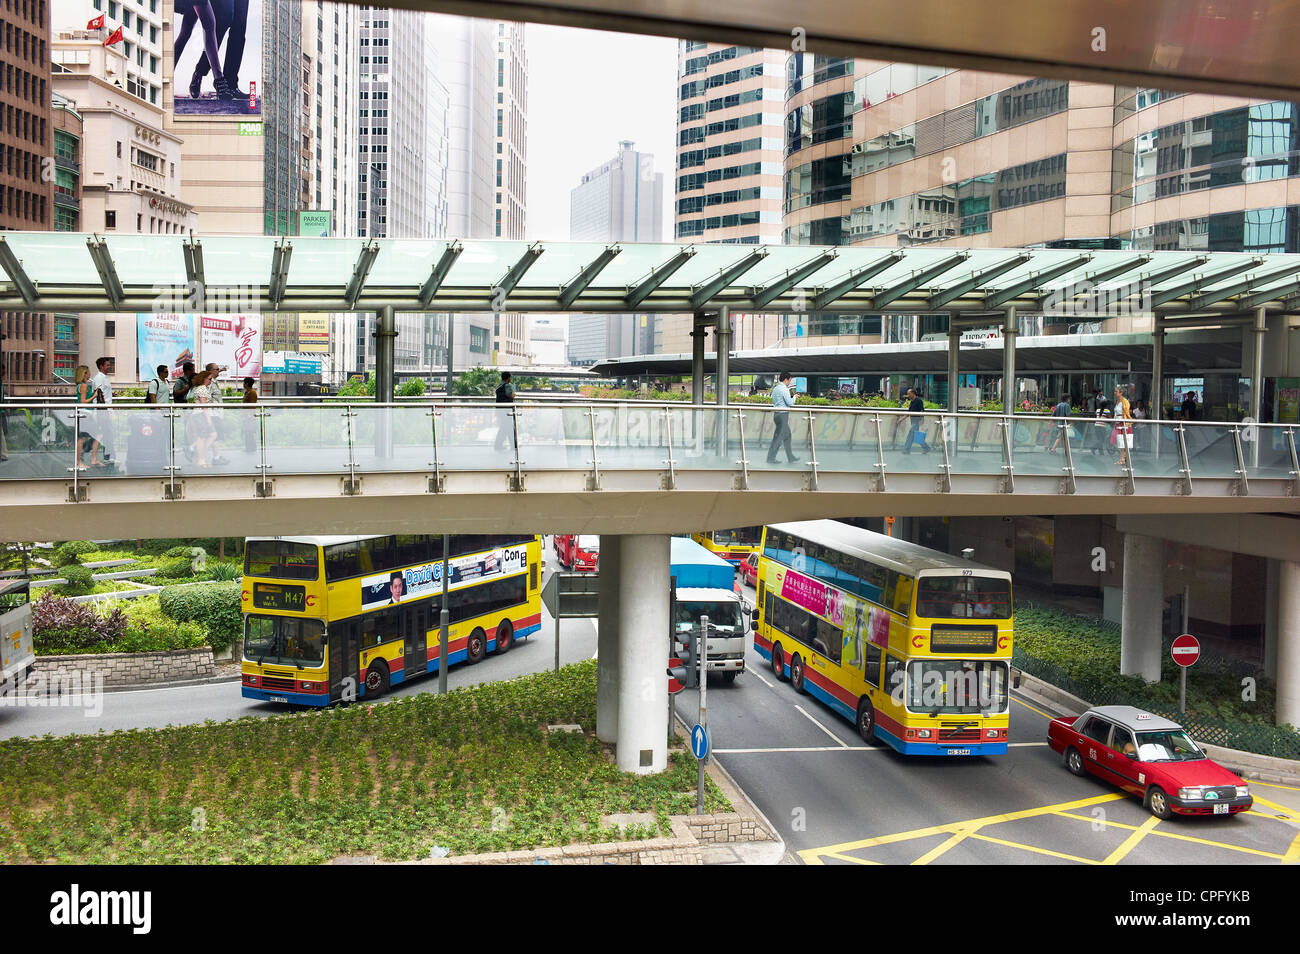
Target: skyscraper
510	331
619	201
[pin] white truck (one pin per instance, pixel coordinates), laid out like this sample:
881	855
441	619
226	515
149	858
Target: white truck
16	655
706	587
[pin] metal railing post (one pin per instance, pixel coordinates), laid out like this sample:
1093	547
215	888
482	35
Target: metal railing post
813	478
1068	484
593	479
1243	485
351	487
670	479
1008	463
264	490
744	458
1295	462
1184	464
943	483
880	457
436	482
518	480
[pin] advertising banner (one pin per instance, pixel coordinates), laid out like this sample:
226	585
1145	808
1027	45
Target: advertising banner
217	59
1288	401
315	222
385	589
287	362
314	333
164	339
233	342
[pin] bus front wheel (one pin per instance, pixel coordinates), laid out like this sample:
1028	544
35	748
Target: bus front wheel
778	661
867	721
376	682
505	637
476	646
796	673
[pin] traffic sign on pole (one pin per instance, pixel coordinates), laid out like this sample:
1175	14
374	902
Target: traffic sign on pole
1186	650
700	742
676	676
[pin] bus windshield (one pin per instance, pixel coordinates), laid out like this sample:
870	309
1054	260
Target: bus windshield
589	542
284	641
957	686
739	537
963	597
279	559
724	617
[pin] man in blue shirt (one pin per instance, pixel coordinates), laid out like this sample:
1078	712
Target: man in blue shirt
782	400
916	423
1062	410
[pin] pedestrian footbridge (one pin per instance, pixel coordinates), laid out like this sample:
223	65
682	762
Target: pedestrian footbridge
603	468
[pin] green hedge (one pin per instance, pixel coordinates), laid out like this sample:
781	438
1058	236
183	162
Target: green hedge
79	579
1082	656
214	606
70	552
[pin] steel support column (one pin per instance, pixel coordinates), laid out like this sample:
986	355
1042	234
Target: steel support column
1009	331
954	354
385	353
697	360
1257	381
722	340
451	350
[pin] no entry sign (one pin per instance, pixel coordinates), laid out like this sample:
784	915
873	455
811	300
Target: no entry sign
1186	650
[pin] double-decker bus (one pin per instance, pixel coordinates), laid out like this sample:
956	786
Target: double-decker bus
330	619
910	644
732	545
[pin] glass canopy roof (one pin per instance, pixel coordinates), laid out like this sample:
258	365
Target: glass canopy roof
67	271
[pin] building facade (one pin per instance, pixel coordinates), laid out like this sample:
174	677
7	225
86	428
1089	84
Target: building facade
140	71
510	329
620	200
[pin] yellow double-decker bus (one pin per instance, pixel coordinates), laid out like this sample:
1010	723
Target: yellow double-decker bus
912	645
330	619
734	545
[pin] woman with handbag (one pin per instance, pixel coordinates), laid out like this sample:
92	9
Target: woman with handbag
89	435
1123	426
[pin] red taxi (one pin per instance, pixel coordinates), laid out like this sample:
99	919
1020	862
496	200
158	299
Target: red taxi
1150	757
749	569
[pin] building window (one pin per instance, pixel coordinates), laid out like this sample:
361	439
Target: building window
110	217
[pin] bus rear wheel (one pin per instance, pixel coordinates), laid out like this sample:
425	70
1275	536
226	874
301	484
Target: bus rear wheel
867	721
796	673
778	661
505	637
476	646
376	682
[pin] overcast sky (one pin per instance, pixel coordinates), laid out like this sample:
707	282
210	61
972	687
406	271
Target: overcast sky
587	91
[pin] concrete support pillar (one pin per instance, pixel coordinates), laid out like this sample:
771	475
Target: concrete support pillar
1009	330
1144	600
1157	405
1272	577
642	653
385	353
697	360
607	608
1288	643
722	338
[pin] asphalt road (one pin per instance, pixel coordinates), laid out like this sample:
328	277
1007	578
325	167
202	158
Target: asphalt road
833	799
836	800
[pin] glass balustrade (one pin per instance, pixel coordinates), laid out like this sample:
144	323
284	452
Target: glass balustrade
47	441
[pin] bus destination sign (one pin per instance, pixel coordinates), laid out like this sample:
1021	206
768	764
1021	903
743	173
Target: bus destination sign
963	639
277	596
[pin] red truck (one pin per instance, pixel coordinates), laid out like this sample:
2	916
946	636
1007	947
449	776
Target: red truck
577	551
1150	757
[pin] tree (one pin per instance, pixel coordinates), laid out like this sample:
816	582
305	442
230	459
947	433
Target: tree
412	387
477	381
359	388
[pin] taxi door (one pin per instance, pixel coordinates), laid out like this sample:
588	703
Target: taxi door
1094	743
1125	772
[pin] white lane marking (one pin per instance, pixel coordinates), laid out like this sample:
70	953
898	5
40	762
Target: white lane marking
1022	745
809	748
822	727
756	675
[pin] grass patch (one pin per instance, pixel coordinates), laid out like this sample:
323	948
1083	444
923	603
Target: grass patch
471	771
103	586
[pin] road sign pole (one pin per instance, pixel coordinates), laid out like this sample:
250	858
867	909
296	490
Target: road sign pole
1182	676
557	644
703	656
444	618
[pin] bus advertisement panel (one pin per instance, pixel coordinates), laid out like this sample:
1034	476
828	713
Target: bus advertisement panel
911	644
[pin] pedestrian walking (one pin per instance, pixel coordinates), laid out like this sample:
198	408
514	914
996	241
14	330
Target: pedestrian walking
505	422
1060	414
157	389
181	388
782	400
916	423
199	428
250	417
87	436
1123	426
214	408
102	393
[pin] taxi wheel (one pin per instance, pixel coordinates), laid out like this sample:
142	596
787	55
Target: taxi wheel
778	661
1158	802
796	673
1074	761
476	646
867	722
505	637
376	682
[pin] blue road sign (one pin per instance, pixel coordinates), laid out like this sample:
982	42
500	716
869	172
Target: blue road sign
700	741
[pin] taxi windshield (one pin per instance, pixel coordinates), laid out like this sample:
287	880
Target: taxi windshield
1167	745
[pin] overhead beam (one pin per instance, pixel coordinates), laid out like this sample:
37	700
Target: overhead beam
192	252
1201	281
995	299
107	272
587	275
1250	283
1156	276
369	252
831	293
1091	279
761	297
658	275
976	279
438	274
14	269
279	279
702	293
516	272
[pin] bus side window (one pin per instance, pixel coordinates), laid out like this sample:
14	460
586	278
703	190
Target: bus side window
893	678
903	595
871	664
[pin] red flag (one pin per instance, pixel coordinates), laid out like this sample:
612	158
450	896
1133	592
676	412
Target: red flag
96	23
114	37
